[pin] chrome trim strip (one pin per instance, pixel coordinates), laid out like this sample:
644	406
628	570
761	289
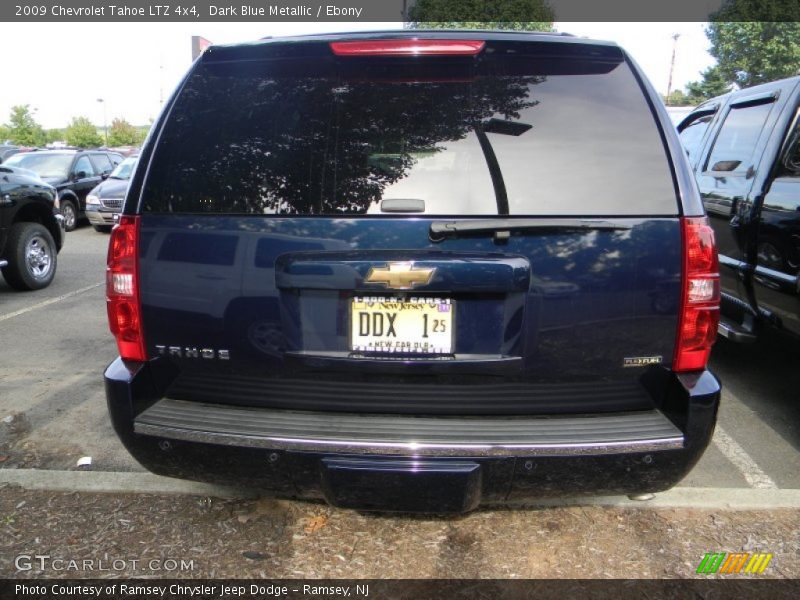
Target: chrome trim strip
731	262
3	263
409	448
777	275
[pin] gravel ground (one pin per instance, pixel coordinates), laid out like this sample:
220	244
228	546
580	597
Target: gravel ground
274	539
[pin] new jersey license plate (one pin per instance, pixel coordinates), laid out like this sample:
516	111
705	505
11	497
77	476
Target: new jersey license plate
402	325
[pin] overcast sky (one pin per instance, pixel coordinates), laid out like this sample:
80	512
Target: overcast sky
132	66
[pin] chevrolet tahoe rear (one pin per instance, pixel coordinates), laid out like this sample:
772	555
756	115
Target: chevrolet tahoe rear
416	271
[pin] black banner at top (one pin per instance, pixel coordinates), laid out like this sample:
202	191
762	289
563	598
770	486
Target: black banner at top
395	10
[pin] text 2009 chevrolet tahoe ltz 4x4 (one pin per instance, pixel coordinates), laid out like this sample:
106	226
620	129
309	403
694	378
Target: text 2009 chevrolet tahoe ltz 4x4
415	271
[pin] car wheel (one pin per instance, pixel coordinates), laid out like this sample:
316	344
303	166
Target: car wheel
70	213
102	228
32	257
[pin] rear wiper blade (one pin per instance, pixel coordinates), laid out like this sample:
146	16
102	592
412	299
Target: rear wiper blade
502	228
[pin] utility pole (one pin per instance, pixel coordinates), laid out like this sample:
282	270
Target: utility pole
675	37
105	121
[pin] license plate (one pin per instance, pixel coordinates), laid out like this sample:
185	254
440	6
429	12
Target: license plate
402	325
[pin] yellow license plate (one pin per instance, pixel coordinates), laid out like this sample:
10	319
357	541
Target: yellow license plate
402	325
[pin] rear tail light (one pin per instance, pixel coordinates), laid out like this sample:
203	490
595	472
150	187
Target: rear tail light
699	315
407	47
122	289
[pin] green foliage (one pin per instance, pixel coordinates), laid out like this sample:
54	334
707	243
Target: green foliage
755	52
677	98
754	41
23	129
122	133
54	135
712	84
5	133
519	15
82	133
757	10
142	133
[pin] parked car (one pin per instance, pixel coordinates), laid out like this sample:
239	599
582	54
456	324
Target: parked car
7	151
104	202
31	229
72	172
745	151
324	280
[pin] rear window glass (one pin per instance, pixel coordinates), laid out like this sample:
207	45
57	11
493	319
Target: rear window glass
324	136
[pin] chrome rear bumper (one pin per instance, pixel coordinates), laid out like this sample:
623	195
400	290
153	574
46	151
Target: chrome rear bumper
598	434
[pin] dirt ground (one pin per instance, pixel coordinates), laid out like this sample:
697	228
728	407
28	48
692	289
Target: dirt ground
121	534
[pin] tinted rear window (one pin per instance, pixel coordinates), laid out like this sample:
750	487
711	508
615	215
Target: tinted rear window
528	135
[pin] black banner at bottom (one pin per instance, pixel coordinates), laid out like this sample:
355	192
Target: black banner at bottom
400	589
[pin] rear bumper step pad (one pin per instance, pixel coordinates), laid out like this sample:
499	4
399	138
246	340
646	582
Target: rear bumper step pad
640	431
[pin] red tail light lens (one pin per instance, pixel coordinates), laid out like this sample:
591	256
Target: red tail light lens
122	289
407	47
699	316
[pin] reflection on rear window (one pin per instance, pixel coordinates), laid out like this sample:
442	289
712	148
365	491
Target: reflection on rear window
199	248
268	139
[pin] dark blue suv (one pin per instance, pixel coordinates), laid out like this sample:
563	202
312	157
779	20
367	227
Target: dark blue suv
415	271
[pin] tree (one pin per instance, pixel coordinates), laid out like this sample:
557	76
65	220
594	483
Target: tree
742	11
749	53
54	135
527	15
677	98
5	133
754	41
712	84
82	133
122	133
23	129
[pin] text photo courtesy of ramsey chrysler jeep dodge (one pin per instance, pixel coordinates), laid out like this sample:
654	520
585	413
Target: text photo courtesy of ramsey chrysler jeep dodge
415	271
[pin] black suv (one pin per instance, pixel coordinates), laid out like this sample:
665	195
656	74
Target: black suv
74	173
745	150
415	271
31	230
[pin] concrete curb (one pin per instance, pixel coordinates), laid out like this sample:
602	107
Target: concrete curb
147	483
113	482
686	497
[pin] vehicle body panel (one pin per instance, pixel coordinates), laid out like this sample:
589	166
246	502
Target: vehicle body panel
754	209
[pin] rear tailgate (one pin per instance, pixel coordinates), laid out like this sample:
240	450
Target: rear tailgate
483	234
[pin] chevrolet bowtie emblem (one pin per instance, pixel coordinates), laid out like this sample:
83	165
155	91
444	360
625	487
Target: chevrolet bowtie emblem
400	275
